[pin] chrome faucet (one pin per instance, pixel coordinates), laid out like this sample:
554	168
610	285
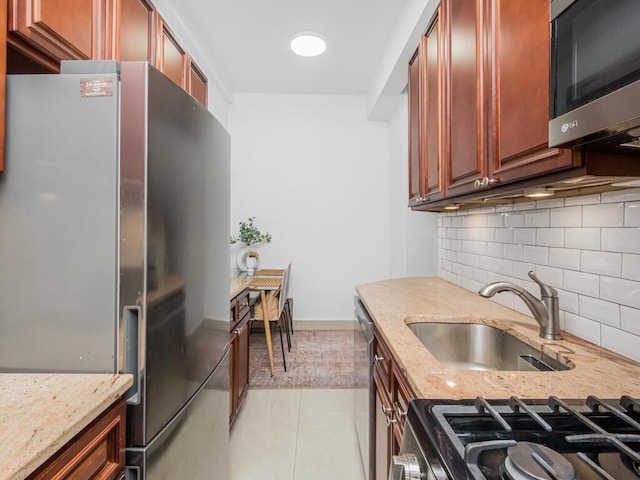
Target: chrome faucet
545	311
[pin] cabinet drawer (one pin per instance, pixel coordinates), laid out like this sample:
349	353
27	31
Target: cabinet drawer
96	452
243	304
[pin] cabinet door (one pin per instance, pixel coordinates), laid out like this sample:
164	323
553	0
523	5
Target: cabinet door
3	71
402	394
417	172
432	45
383	431
134	38
464	122
241	367
171	58
63	29
197	83
520	66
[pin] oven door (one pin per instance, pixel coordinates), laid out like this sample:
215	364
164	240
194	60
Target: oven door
595	72
415	460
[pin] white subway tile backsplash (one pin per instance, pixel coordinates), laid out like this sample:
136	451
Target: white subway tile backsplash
537	255
487	263
480	275
630	319
600	310
583	238
564	258
619	290
513	252
587	329
631	266
586	247
630	195
569	301
621	342
514	219
625	240
504	208
524	236
522	269
632	214
495	249
524	206
496	221
580	282
504	235
550	203
566	217
536	218
583	200
602	263
603	215
550	275
550	237
504	266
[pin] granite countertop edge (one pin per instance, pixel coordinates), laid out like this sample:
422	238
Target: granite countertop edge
395	303
42	412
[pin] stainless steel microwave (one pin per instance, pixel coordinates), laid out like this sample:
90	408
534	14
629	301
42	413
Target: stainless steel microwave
595	73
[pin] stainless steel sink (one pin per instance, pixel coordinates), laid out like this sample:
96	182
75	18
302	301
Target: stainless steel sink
474	346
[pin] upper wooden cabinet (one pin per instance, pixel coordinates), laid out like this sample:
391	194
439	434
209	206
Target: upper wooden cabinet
425	116
483	69
197	83
171	58
61	29
134	31
519	43
464	128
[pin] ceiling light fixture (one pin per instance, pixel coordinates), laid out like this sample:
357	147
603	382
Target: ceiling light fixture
453	206
540	192
308	44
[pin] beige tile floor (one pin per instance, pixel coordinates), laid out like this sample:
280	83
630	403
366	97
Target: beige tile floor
295	434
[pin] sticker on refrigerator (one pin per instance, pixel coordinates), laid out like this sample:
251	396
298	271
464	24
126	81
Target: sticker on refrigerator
96	87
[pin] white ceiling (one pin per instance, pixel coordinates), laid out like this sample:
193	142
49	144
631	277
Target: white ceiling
248	41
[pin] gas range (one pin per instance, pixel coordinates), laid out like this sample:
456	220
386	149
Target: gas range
551	439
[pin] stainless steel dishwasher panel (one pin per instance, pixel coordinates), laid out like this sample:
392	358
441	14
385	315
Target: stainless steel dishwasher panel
363	384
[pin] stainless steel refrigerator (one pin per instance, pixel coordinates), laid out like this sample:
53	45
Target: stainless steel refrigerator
114	253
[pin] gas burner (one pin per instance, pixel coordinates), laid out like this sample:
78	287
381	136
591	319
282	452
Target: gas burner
532	461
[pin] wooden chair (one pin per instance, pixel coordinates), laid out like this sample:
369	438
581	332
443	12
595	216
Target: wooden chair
287	310
275	302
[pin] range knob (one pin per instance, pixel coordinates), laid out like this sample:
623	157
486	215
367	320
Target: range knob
405	467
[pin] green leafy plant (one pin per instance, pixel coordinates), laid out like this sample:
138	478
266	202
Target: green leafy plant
250	235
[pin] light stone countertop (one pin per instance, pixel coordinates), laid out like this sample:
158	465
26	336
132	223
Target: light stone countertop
237	285
40	413
395	303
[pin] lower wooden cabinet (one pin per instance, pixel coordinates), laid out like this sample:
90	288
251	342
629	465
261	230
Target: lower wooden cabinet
239	340
392	394
97	452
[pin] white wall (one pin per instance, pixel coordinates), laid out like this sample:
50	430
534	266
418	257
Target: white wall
315	173
587	247
413	235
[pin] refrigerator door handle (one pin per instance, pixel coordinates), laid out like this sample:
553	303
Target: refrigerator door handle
132	336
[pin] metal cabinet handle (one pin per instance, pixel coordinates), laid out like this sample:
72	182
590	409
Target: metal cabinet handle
400	414
477	183
244	304
377	358
492	181
388	415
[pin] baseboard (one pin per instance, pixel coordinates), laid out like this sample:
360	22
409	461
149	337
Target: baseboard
323	324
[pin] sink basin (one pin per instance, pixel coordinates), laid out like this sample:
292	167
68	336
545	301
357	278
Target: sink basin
474	346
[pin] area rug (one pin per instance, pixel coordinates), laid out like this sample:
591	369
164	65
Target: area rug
318	359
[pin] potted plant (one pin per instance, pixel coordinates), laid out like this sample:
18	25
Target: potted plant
247	259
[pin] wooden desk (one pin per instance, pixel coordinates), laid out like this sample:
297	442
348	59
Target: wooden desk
262	285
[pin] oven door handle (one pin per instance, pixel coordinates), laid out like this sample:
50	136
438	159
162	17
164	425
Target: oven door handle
405	467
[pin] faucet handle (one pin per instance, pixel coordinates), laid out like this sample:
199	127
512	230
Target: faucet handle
545	290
